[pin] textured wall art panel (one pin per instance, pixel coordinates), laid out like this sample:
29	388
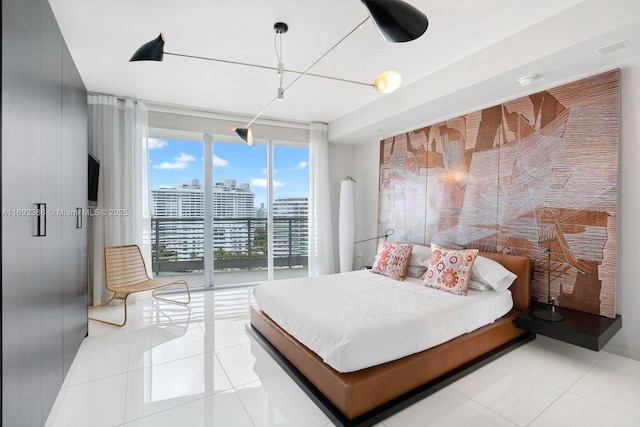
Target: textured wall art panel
536	176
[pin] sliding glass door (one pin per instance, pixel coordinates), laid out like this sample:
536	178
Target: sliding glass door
290	211
226	213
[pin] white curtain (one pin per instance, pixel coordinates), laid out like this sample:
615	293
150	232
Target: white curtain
320	228
118	138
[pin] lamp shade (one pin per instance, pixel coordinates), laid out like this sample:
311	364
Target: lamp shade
396	20
387	82
346	225
245	134
150	51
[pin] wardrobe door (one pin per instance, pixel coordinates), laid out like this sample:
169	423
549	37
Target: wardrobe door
74	197
21	250
51	170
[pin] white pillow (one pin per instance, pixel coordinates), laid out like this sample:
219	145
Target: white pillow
420	255
492	273
478	286
419	261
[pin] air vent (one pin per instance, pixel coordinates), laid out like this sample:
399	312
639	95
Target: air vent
605	50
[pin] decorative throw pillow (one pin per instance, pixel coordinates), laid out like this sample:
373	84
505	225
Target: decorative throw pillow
392	259
492	273
450	269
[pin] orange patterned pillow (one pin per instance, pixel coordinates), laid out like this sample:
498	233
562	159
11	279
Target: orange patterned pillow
449	270
392	259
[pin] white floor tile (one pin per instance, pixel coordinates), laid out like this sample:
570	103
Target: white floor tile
556	346
557	368
172	365
97	363
447	408
278	401
227	309
621	364
508	392
573	410
247	363
171	384
223	409
97	403
227	334
101	335
611	388
112	313
167	348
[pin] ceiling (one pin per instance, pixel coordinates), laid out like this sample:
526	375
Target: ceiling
471	55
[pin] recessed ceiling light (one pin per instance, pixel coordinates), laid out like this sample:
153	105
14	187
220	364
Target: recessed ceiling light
527	80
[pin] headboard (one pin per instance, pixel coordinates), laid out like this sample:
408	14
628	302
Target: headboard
522	267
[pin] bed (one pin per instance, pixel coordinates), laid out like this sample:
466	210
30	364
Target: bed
365	394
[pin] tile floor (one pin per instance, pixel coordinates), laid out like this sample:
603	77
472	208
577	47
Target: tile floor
197	366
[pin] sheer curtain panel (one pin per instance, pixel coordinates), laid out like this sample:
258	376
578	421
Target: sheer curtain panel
320	228
118	138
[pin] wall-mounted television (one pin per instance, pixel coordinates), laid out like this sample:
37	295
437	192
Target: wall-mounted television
93	175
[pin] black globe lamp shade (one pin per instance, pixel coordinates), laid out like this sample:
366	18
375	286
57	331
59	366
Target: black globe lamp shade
396	20
150	51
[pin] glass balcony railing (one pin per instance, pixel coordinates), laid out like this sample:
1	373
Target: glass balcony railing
239	244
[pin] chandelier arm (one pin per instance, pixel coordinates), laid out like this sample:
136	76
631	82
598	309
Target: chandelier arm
266	67
333	78
261	111
226	61
326	53
305	72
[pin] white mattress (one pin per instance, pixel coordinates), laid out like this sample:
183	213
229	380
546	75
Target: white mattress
360	319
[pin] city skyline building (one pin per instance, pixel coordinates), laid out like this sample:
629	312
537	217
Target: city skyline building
238	227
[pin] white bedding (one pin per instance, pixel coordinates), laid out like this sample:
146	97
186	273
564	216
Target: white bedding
360	319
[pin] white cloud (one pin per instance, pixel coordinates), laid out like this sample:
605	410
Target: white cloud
179	162
262	182
184	157
217	161
157	143
302	165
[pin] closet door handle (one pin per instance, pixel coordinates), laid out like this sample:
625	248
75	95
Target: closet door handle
78	217
41	219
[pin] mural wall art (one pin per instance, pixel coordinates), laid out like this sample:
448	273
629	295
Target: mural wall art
532	176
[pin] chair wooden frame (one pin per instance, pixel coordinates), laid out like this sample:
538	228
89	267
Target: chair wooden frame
125	272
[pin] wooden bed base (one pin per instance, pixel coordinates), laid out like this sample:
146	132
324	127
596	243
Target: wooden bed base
360	396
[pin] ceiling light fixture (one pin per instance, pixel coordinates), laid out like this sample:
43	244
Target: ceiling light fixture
527	80
395	20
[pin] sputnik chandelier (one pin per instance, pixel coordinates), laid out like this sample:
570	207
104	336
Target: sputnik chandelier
395	20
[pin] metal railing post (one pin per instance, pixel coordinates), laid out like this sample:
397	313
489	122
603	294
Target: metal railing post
290	245
156	264
248	244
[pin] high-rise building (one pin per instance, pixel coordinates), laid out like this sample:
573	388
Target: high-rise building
290	227
187	200
185	238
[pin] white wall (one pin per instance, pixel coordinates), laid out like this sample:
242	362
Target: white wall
627	341
365	161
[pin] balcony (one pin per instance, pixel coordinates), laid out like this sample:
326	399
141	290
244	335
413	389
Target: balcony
240	248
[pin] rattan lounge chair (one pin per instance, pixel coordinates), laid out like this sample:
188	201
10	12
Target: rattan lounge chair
125	272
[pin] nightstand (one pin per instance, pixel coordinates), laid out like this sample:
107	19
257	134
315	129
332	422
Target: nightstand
582	329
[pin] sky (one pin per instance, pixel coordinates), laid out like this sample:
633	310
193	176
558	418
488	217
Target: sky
174	162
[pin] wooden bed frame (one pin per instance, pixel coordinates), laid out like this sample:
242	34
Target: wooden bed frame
365	397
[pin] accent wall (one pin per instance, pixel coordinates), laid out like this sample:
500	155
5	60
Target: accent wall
536	176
